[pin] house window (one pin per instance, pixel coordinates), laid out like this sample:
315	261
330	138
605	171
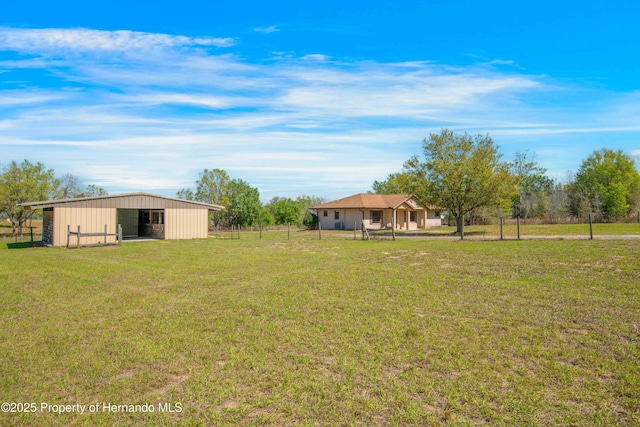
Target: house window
412	216
336	215
325	213
376	217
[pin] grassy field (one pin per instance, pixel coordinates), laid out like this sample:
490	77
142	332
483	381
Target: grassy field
330	332
510	230
536	230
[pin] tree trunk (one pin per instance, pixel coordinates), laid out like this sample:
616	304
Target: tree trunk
16	227
460	223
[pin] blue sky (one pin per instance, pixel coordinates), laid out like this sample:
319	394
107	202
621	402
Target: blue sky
317	98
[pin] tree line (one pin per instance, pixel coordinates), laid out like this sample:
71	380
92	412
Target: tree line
466	176
462	174
30	182
242	202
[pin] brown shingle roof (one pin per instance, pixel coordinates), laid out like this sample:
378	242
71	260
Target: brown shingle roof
369	201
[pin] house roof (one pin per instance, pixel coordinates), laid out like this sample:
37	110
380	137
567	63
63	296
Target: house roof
53	203
373	201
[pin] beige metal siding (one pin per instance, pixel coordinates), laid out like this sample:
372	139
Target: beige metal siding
182	220
186	223
90	218
133	202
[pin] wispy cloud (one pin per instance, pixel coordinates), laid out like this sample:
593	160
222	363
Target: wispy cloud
83	40
16	98
267	30
315	57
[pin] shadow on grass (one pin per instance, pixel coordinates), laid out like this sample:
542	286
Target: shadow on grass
21	245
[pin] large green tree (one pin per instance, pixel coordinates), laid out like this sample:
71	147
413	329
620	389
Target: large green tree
24	182
462	173
534	186
607	183
289	211
397	183
286	211
244	203
213	187
185	194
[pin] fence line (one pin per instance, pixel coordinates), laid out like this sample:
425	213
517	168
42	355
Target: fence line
104	234
500	228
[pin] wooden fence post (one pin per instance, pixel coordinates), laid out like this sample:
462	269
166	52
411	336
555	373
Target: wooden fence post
319	230
355	224
501	223
238	231
462	227
288	231
518	223
78	240
590	228
393	227
119	236
68	234
261	231
105	234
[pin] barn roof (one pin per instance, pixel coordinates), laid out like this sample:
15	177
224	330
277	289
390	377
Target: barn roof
75	201
373	201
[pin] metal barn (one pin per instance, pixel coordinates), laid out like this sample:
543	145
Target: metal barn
141	215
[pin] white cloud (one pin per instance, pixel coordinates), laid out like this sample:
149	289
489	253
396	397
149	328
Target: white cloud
315	57
168	108
81	39
267	30
21	98
214	102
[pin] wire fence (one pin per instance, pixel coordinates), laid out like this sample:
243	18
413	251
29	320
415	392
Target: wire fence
497	229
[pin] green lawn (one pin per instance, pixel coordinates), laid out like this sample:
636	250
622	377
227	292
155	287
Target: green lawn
510	230
330	332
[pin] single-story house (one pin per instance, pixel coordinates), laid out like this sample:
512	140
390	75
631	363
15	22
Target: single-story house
139	215
377	211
